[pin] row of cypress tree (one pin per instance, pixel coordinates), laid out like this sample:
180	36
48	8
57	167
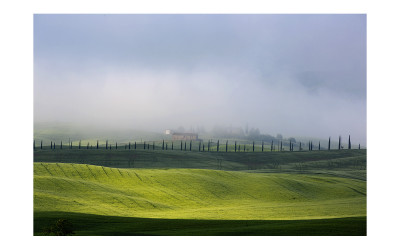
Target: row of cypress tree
184	146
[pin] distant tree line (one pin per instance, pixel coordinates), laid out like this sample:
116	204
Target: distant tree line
235	146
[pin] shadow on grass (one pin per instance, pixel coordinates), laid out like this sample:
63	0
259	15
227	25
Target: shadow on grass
98	225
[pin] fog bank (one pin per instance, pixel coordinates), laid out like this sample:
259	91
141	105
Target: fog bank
298	75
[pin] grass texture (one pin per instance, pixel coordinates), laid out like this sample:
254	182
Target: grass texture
100	225
340	163
194	194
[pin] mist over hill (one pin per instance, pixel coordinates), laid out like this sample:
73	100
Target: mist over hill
295	75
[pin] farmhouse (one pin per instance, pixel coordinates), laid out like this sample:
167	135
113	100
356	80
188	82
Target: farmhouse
184	136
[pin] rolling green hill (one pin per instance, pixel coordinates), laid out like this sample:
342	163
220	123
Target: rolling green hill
194	194
341	163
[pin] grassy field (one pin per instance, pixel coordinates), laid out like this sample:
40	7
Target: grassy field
90	224
198	201
341	163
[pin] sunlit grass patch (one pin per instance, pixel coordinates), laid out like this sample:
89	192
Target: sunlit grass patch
194	193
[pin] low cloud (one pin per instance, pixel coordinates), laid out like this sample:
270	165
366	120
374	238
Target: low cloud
299	75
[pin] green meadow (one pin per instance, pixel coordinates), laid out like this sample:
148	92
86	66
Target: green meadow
344	163
196	193
100	225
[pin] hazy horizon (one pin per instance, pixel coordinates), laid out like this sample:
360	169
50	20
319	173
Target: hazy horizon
297	75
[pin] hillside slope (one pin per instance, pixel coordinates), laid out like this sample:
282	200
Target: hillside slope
343	163
194	193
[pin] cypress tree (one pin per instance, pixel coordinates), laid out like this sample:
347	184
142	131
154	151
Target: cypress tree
329	143
79	144
61	145
116	145
239	148
319	145
253	146
135	145
208	146
272	145
181	145
129	146
300	147
87	147
185	145
311	146
359	146
106	144
244	147
339	141
281	146
235	146
54	145
34	147
162	144
262	146
290	145
218	146
226	147
97	144
41	144
51	144
172	146
190	146
349	143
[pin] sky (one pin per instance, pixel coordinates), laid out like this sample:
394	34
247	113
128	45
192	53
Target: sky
297	75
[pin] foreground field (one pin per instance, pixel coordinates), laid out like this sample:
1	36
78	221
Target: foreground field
193	195
100	225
